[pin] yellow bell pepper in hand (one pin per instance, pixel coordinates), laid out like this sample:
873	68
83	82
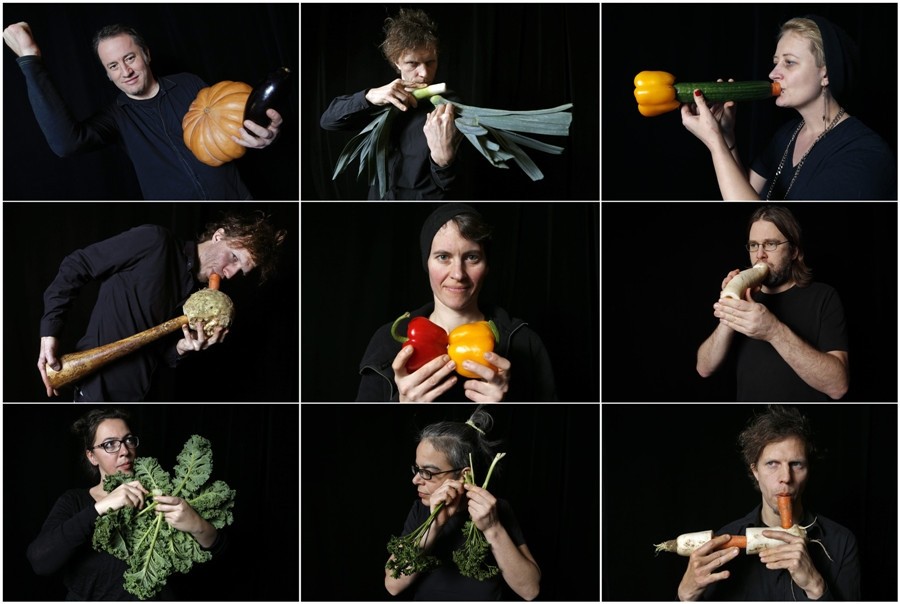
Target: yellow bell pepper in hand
469	342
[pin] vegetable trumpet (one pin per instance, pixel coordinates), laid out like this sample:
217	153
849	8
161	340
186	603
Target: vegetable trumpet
753	540
749	278
656	92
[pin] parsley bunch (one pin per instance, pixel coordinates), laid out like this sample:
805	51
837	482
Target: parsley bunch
409	557
470	558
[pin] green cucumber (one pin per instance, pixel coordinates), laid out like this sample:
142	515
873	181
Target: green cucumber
719	92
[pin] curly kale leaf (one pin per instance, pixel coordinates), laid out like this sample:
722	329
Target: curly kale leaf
152	548
194	467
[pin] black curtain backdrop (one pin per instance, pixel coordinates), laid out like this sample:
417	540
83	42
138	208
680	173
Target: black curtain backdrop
687	475
255	450
362	268
704	42
354	503
256	363
240	42
666	263
504	56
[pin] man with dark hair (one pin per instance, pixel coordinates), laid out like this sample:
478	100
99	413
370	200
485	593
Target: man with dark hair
778	449
145	276
146	118
422	164
789	335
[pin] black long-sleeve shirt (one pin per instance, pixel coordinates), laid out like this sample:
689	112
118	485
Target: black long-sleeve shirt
64	544
751	581
411	173
145	276
149	130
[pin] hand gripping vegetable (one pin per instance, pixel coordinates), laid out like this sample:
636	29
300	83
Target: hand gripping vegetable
749	278
753	541
470	557
656	92
429	341
265	96
467	342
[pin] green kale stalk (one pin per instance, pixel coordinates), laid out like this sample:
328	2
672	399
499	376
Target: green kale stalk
408	556
470	558
152	548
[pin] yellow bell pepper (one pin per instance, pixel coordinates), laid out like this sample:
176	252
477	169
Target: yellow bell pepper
469	342
655	93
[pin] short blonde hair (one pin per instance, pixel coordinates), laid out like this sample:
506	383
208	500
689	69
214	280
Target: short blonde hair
808	29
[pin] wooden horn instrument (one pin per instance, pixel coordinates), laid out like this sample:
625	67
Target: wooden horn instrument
76	365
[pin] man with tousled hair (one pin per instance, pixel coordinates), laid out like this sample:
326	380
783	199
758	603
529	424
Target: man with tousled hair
790	336
145	276
778	450
421	163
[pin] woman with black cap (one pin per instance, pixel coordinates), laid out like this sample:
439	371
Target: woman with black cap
824	154
455	241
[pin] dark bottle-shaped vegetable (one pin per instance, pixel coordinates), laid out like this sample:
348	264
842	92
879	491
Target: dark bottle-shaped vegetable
264	96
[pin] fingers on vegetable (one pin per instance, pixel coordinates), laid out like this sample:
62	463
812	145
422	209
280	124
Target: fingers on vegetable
749	278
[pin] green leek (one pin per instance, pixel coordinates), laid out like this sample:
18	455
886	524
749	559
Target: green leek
493	132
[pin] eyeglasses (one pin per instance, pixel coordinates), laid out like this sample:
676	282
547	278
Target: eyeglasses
428	474
113	446
769	246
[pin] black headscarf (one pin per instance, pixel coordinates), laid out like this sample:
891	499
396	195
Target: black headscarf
438	219
841	59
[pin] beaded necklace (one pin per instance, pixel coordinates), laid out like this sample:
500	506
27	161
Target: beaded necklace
802	159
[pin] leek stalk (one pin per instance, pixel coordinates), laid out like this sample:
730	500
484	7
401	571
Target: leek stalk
495	133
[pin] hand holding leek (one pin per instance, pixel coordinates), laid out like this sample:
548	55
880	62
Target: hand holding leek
492	131
398	93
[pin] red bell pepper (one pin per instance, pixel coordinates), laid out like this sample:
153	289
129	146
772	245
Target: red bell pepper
429	341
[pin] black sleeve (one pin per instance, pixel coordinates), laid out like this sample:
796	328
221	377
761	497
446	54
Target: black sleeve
65	135
349	112
67	528
95	261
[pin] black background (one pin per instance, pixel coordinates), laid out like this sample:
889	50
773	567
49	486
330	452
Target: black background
258	360
240	42
681	471
516	56
663	266
254	450
704	42
358	493
362	268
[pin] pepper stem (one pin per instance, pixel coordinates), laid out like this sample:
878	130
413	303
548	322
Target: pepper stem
494	330
397	337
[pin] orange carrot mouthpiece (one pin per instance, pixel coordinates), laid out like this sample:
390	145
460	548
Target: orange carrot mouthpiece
785	510
214	281
735	541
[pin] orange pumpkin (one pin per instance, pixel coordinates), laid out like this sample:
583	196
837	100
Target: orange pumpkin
215	115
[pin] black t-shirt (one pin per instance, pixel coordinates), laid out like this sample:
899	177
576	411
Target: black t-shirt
813	313
751	581
444	582
850	162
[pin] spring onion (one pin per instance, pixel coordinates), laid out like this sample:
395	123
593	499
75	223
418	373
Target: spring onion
495	133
